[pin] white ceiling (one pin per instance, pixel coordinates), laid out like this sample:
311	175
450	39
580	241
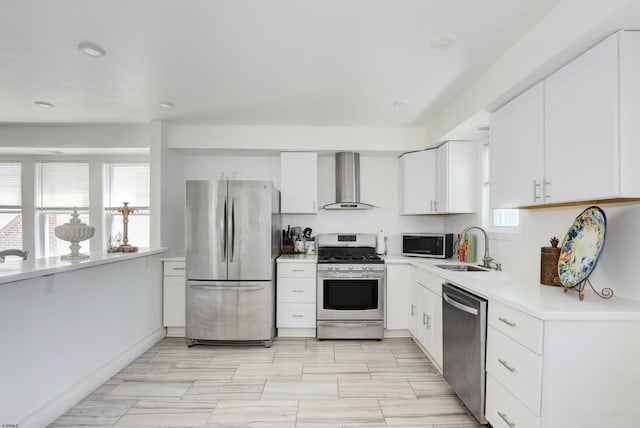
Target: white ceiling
267	62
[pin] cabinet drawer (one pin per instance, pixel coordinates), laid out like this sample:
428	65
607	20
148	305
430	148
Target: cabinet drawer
297	270
517	368
519	326
296	315
503	410
302	290
174	269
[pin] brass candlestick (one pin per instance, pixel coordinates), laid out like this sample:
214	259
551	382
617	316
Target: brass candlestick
125	211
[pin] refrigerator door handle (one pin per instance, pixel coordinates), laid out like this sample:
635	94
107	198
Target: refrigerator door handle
223	230
233	228
227	287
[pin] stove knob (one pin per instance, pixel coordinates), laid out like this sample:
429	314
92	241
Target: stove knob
330	268
350	267
336	267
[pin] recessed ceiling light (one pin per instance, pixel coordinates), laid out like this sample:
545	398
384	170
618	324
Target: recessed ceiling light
91	49
44	104
401	103
442	41
165	104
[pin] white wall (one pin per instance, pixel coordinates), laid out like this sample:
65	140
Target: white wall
64	335
74	135
310	138
379	186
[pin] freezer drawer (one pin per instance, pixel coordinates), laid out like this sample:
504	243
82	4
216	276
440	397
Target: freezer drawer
230	311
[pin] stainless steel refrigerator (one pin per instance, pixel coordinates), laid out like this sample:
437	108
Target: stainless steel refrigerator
232	241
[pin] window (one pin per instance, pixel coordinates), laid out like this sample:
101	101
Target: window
59	188
10	205
505	220
127	182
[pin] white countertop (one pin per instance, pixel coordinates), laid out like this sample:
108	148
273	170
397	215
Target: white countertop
18	270
297	258
540	301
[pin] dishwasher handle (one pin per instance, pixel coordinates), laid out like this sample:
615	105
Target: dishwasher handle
458	305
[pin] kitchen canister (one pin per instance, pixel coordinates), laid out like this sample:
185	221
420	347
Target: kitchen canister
549	257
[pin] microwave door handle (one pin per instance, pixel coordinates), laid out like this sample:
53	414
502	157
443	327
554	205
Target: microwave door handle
458	305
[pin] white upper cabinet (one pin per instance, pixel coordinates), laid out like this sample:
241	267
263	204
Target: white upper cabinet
572	138
298	182
417	182
516	150
581	127
440	181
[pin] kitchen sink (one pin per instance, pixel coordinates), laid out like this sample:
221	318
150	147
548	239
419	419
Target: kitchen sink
461	267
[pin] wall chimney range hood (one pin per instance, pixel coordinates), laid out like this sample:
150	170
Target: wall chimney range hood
348	183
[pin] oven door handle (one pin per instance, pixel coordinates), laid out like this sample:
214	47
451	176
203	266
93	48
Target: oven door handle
458	305
354	324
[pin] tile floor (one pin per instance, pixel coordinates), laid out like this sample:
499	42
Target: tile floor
297	382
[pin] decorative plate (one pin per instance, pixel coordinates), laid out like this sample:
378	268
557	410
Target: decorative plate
582	246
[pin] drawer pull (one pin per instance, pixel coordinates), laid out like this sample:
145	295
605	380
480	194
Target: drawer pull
297	316
507	322
297	270
507	421
178	268
297	291
506	365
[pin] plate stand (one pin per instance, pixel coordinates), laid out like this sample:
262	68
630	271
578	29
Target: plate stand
606	293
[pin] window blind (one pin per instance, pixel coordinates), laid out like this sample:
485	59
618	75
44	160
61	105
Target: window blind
10	184
62	185
127	183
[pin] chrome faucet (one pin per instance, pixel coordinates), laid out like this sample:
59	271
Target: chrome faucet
487	260
18	253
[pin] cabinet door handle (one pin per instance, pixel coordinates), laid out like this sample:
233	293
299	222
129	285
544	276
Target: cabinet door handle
507	421
507	322
506	365
435	206
314	205
545	193
297	291
431	208
428	322
297	316
535	191
424	319
413	309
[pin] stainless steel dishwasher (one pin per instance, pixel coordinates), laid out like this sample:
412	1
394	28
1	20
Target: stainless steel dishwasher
464	318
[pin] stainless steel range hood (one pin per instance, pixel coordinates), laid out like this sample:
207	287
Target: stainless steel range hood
348	183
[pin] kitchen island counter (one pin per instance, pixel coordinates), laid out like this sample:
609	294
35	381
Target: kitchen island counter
18	270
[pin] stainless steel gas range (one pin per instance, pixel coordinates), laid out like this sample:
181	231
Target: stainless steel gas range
350	302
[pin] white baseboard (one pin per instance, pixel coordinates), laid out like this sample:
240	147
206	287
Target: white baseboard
296	332
175	331
59	405
396	333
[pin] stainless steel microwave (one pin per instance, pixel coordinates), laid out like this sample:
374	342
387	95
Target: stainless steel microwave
436	245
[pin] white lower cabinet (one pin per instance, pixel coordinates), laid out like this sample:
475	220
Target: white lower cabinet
173	285
503	410
296	299
397	282
428	314
558	374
